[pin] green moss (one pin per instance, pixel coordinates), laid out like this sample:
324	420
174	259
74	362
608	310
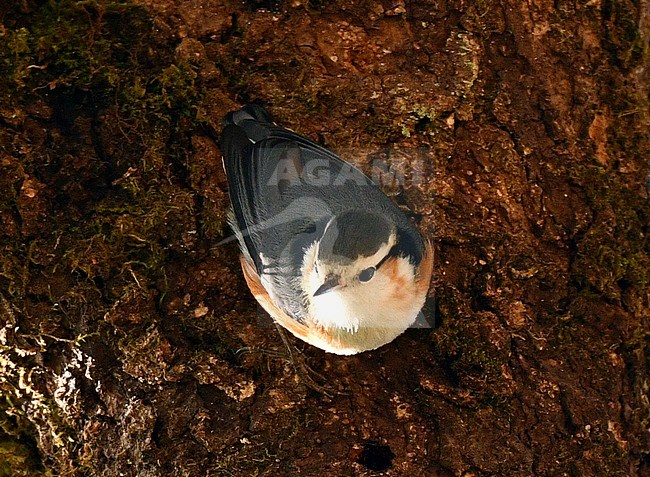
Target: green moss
622	37
59	46
84	53
416	118
18	460
614	253
466	353
18	454
111	203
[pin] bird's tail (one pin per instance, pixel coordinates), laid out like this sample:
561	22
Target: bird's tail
248	112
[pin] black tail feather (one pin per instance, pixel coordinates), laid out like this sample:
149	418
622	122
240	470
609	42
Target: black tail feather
251	111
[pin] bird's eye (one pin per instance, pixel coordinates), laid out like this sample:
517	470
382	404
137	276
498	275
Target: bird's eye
367	274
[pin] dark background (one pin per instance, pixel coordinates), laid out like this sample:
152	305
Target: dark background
121	317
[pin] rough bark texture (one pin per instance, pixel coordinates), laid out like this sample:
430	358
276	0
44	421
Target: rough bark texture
526	125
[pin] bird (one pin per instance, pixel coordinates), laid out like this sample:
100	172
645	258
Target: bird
323	250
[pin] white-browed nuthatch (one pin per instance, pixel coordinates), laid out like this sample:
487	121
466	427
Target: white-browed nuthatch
324	251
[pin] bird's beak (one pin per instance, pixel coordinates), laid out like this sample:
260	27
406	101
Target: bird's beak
328	285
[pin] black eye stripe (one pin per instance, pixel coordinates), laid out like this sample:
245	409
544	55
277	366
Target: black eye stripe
381	262
369	272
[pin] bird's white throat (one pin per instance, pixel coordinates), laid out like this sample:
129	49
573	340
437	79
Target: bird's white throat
382	303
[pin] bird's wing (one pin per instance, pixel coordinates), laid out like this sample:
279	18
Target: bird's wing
274	201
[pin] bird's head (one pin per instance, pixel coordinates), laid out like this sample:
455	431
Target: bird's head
353	279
